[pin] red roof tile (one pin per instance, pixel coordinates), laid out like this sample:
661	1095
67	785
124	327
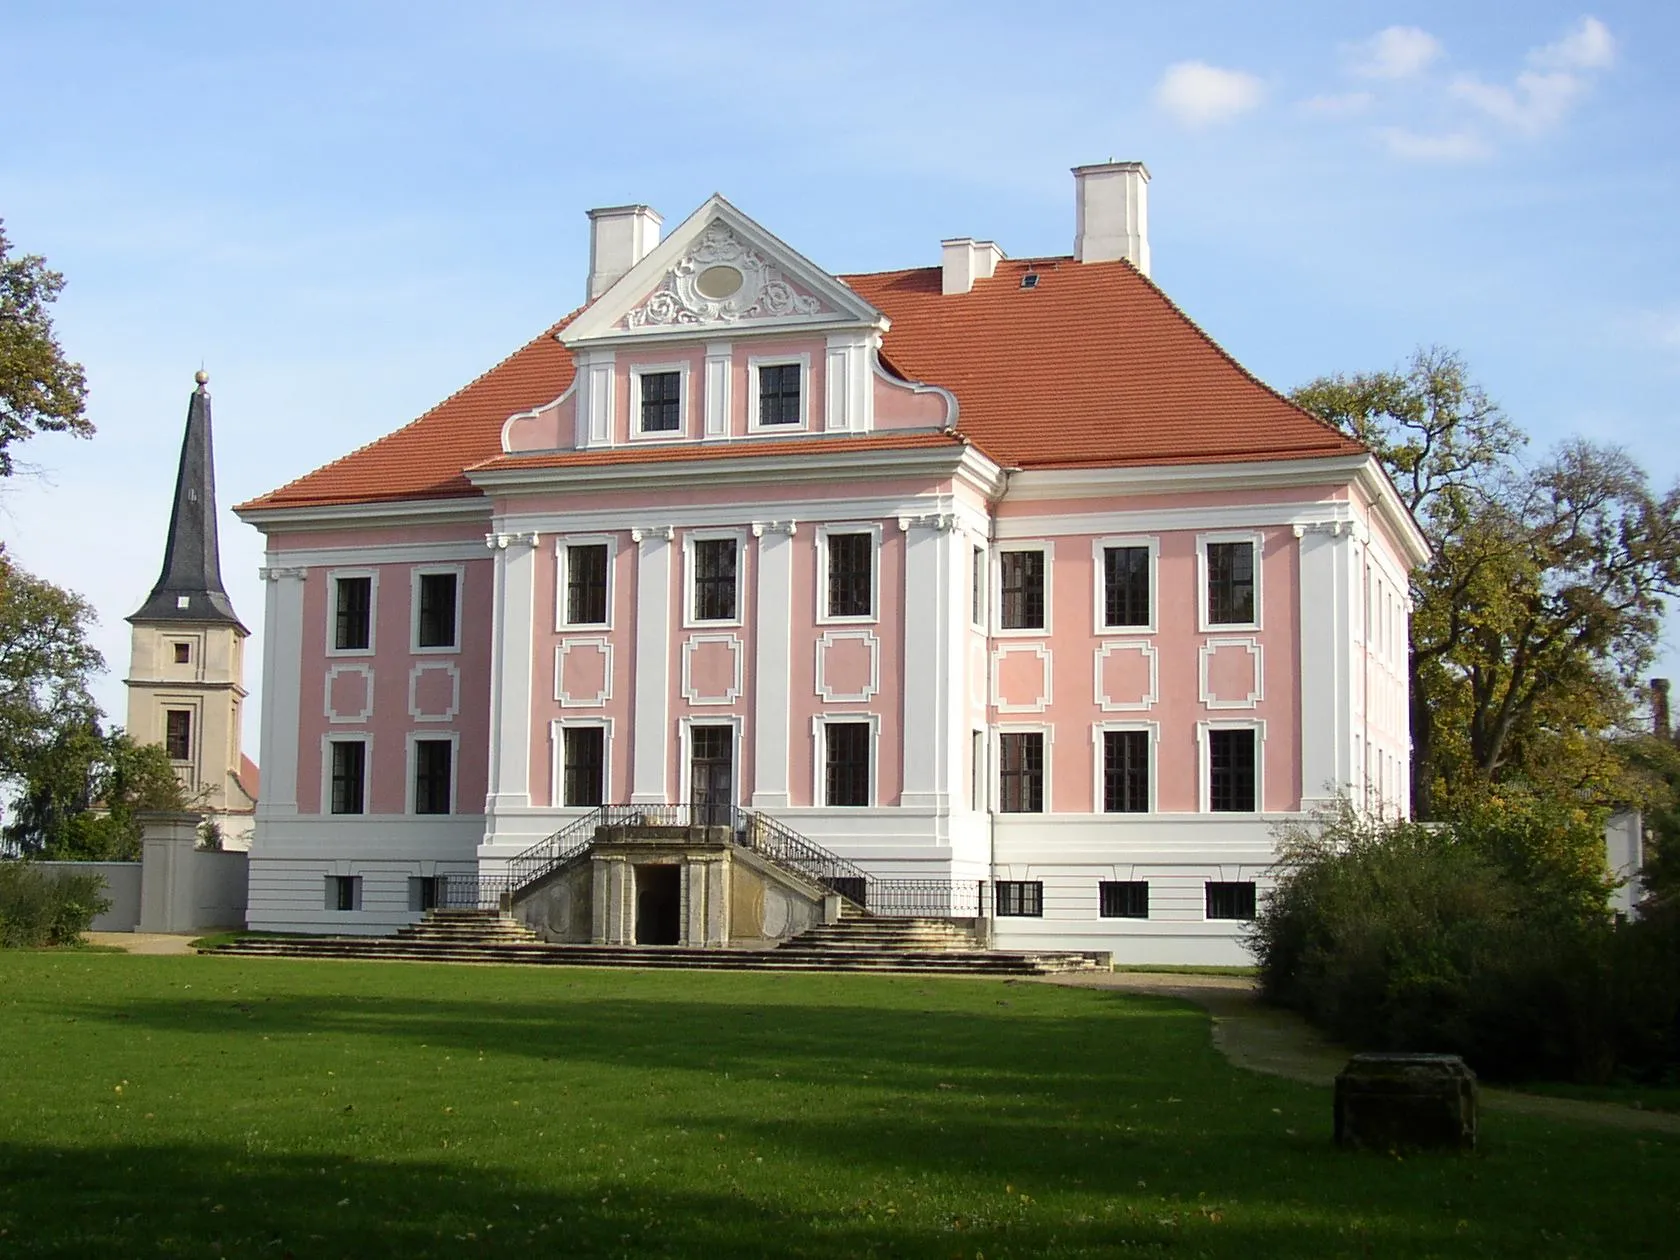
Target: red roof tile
1092	366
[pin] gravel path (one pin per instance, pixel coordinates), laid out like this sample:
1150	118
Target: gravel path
1280	1043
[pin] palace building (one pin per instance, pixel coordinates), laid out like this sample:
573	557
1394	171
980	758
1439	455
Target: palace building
992	588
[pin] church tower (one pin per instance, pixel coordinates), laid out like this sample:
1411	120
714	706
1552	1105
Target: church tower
186	668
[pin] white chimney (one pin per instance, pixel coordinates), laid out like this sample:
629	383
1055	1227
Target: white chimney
965	260
1112	213
619	238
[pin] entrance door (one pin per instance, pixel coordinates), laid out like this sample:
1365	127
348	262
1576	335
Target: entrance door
712	775
658	904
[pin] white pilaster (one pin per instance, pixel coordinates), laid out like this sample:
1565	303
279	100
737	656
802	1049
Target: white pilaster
850	401
928	609
653	665
1327	590
595	398
772	676
716	398
282	689
512	643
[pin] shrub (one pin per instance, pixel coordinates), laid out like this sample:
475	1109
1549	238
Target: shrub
38	908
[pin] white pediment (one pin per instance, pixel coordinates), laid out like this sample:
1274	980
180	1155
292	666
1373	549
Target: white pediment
720	271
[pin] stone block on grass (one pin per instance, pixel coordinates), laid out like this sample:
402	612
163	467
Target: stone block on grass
1406	1102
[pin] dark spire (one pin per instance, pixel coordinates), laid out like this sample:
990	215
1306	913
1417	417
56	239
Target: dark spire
190	586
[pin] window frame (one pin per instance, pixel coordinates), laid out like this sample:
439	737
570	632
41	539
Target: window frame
1018	898
685	753
328	741
412	772
1047	549
819	757
1204	622
979	562
562	578
333	901
333	577
558	765
1204	755
1207	900
1099	767
416	582
690	538
190	715
842	528
181	650
1099	584
685	402
754	363
1042	729
1102	903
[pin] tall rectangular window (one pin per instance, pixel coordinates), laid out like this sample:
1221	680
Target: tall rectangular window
1230	574
584	749
353	620
851	572
661	402
1020	898
714	579
437	611
349	776
1123	899
1022	589
586	584
1230	900
847	756
1126	772
977	771
1021	772
177	734
1126	586
432	765
977	587
778	394
1231	765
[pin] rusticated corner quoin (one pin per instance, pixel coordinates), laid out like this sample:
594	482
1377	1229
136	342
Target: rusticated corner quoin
1406	1102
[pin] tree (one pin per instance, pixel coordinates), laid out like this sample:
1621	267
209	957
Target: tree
45	664
80	799
40	390
1542	600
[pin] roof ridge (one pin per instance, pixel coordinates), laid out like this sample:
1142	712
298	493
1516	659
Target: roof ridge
551	331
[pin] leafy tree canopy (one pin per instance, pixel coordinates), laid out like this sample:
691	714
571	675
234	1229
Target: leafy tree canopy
81	797
40	390
46	662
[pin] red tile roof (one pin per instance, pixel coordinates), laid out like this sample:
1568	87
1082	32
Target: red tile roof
1092	366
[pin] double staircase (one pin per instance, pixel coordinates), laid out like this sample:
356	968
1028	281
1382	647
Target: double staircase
858	942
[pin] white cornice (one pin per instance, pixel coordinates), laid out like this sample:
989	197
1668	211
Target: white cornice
275	520
1385	500
1076	483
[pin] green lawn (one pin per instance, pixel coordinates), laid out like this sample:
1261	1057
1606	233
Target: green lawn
226	1107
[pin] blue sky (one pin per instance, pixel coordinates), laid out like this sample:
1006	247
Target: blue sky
346	211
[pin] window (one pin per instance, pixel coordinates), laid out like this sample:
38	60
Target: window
435	626
1230	900
977	771
1021	772
353	618
1126	772
1020	898
586	584
851	575
1230	579
584	750
1126	586
1023	589
977	585
177	734
425	892
1123	899
183	653
847	763
661	402
714	579
344	892
349	776
432	765
778	394
1231	779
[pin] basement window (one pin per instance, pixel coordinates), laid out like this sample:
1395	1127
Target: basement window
1020	898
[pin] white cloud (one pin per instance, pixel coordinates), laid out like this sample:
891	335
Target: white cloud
1452	146
1590	46
1536	102
1199	95
1396	52
1338	105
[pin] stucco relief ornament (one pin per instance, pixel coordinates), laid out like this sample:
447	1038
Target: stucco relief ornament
721	280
